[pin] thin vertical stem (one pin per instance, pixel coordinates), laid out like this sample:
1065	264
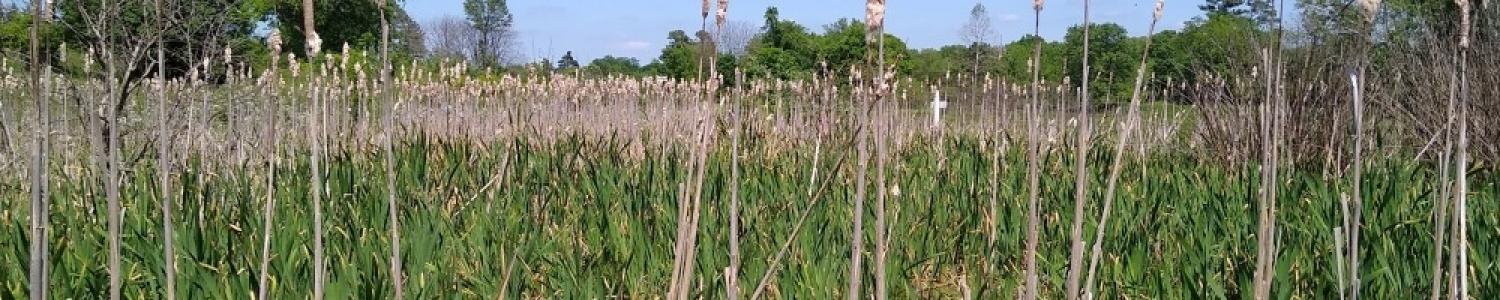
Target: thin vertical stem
38	255
390	157
1033	180
1081	178
164	160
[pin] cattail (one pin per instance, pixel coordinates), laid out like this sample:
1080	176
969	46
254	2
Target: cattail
1370	7
1156	15
723	13
706	7
275	42
874	19
314	45
1463	29
1037	4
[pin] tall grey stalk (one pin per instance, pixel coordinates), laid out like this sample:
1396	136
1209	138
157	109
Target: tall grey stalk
1033	149
731	273
112	172
1127	131
40	140
1461	197
1080	172
315	138
1272	119
1445	190
690	210
874	22
273	115
390	157
164	159
1357	86
876	33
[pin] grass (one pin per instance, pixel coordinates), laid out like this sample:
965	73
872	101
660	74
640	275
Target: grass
581	218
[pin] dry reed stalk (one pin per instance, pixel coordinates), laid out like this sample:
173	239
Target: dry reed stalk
1127	131
273	114
1461	194
315	137
689	210
112	173
1445	190
1357	82
1033	180
731	273
1265	254
875	26
390	156
164	160
39	209
1080	172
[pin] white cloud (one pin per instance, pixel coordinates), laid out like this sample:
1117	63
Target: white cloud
633	45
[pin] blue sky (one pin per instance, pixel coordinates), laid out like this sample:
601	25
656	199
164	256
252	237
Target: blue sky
638	28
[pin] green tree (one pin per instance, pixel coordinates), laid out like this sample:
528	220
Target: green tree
843	46
1018	54
492	20
567	62
612	65
784	50
679	59
1113	58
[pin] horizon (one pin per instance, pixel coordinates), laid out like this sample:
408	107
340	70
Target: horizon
638	29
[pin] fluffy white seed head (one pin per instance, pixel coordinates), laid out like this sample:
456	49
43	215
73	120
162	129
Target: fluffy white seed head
314	45
275	42
874	18
723	12
1370	7
1037	4
1160	5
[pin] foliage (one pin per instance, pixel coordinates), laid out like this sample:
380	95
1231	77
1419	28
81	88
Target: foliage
1113	57
492	20
614	65
581	219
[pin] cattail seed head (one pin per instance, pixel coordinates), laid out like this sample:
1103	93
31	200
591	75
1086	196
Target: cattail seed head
275	42
1160	5
1371	7
723	12
314	45
1463	30
705	9
874	19
1037	4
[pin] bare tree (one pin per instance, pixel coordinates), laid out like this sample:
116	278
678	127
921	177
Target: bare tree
735	36
121	53
451	37
978	33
